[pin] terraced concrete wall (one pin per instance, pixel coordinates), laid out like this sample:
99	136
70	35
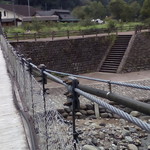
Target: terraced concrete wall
72	56
139	55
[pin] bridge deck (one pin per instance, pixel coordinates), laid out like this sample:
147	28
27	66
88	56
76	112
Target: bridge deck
12	136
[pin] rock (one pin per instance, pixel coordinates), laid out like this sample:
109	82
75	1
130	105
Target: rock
83	112
102	110
116	116
90	112
69	118
89	107
83	107
102	124
114	147
65	115
128	139
148	147
101	148
135	113
68	110
78	114
92	117
122	121
132	147
94	141
125	132
95	126
61	111
104	115
101	135
89	147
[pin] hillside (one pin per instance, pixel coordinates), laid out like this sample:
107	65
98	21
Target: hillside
65	4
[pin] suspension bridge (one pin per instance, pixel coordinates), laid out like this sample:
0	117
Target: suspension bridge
41	126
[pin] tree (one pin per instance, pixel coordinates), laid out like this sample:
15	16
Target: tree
93	10
145	11
116	8
135	10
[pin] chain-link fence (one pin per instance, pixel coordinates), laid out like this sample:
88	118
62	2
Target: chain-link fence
53	132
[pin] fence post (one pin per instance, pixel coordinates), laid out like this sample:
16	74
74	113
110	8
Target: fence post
53	34
68	34
35	37
17	37
74	104
44	81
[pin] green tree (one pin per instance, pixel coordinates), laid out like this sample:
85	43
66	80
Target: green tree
117	7
92	10
135	10
145	11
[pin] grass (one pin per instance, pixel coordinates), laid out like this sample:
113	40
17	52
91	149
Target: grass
37	27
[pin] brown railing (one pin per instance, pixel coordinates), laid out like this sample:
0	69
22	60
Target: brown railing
70	33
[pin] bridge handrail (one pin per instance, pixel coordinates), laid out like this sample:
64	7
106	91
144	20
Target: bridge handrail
27	66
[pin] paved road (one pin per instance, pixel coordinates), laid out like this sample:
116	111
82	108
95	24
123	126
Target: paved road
12	136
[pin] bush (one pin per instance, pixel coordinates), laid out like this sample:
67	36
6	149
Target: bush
86	22
111	25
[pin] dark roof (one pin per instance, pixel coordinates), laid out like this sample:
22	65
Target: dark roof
10	20
45	18
44	13
52	12
61	13
60	10
19	9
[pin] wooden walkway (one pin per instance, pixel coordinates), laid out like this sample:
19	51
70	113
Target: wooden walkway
12	135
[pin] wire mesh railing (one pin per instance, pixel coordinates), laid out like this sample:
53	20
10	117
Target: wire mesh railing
51	130
45	106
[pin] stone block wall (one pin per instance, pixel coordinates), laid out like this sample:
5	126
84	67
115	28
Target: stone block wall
139	55
72	56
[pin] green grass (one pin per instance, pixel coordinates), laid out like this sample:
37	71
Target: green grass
36	27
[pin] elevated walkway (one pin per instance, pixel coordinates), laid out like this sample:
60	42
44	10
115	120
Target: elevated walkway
12	135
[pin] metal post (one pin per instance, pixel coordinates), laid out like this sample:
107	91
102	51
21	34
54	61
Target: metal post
74	103
44	81
75	107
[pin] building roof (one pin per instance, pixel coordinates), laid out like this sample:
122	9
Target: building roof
10	20
40	18
19	9
61	13
52	12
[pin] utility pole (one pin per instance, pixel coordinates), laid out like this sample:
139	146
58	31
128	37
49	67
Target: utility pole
13	3
29	13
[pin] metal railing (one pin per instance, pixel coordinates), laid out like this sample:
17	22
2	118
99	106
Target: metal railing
51	129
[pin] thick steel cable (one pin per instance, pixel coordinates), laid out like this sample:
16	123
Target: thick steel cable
115	110
56	79
101	80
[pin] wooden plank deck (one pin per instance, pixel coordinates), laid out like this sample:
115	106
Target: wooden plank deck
12	135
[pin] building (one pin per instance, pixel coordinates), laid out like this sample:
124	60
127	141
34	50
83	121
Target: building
11	14
18	14
63	15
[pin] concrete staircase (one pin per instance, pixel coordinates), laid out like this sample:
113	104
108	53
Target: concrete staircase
115	54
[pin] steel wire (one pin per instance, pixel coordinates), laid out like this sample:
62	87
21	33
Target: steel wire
115	110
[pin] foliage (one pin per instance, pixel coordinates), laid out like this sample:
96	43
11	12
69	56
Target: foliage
145	11
124	11
92	10
111	24
147	22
